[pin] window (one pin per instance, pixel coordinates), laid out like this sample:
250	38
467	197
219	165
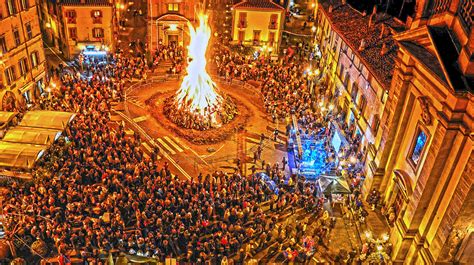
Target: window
173	7
3	45
71	16
73	33
271	38
273	21
98	32
375	123
96	16
16	35
29	32
24	4
10	75
241	35
362	104
256	37
34	59
418	146
23	65
11	7
242	20
355	91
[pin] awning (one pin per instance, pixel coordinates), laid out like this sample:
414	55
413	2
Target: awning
30	135
19	156
333	185
58	120
6	116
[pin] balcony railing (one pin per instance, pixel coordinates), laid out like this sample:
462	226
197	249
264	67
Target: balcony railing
242	24
272	25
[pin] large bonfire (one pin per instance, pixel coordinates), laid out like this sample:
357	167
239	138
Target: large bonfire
197	105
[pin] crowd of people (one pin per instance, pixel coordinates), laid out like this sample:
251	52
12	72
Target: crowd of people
97	192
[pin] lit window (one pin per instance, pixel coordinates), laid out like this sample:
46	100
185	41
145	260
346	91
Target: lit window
71	16
16	35
241	36
418	146
242	20
34	59
24	4
98	32
23	64
96	16
73	33
3	45
29	32
256	37
173	7
10	75
273	21
11	7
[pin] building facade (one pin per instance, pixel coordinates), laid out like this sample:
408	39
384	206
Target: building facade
425	155
415	82
168	21
259	24
358	55
22	59
73	26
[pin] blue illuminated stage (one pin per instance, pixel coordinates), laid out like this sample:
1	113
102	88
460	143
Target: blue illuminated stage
308	154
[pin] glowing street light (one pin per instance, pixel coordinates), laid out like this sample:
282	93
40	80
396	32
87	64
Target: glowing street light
313	29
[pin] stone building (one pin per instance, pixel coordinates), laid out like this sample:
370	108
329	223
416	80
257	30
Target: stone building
358	57
259	24
425	157
168	21
73	26
22	60
417	80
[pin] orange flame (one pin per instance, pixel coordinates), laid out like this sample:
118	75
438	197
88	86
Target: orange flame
197	93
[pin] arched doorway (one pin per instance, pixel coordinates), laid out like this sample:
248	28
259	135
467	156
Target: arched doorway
400	193
172	30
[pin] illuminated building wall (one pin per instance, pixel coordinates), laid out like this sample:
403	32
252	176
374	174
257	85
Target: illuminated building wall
22	60
421	160
426	150
167	21
355	71
88	24
259	24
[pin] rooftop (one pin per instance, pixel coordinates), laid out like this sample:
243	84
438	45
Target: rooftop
353	26
85	3
258	4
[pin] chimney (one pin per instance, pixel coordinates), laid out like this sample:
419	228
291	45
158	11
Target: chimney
364	13
330	9
362	45
384	49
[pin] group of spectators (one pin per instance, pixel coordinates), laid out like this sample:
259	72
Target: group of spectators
98	193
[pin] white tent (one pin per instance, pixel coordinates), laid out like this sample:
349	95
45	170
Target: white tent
47	119
19	155
30	135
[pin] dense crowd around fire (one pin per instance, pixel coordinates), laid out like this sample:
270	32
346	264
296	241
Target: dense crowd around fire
97	192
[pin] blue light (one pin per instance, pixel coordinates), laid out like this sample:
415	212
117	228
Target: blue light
95	53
